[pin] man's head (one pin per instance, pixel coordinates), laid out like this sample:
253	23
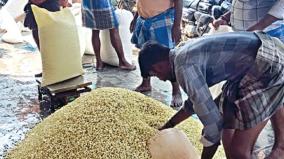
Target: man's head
154	61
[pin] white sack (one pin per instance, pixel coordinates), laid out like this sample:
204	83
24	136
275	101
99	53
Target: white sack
7	22
108	53
85	34
15	7
221	29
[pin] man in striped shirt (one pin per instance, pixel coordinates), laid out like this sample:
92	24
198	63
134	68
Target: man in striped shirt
251	63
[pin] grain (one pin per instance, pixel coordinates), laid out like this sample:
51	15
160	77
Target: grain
108	123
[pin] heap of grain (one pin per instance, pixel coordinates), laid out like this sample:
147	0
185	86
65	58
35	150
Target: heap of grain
108	123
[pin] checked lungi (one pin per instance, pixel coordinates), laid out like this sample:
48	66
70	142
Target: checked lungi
260	93
99	14
157	28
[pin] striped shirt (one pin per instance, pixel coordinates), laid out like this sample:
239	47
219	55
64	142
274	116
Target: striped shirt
246	13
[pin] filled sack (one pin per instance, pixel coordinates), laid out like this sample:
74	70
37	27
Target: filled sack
108	54
15	7
85	34
13	34
59	45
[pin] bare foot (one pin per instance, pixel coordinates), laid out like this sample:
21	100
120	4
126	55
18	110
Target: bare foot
128	67
145	86
176	100
100	66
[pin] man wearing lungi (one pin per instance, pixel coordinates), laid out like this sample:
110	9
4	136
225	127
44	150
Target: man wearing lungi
252	63
251	15
158	20
99	15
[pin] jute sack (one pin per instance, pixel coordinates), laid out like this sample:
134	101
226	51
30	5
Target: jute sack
171	144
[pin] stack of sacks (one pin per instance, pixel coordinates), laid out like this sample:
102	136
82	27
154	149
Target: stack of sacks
59	45
108	123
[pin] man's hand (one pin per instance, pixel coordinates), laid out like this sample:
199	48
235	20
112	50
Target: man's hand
223	20
133	22
218	22
180	116
132	25
167	125
64	3
176	34
37	2
208	152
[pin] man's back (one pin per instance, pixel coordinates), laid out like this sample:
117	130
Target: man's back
218	62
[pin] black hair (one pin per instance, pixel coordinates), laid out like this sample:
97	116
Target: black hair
151	53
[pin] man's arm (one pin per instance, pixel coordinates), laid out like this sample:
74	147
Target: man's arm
263	23
176	31
192	80
209	152
223	20
133	22
275	13
180	116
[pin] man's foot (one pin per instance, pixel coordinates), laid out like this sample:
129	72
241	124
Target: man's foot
100	66
145	86
176	100
128	67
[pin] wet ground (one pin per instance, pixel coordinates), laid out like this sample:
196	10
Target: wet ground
19	106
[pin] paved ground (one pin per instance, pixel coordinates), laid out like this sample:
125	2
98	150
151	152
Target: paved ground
18	93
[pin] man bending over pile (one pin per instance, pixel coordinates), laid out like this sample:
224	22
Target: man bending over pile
251	63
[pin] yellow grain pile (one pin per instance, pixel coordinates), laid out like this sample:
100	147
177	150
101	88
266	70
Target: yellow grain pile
108	123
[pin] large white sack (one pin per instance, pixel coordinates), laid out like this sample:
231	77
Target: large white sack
88	41
85	34
108	53
7	22
15	7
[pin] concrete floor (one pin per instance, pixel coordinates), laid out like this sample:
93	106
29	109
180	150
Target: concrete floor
18	92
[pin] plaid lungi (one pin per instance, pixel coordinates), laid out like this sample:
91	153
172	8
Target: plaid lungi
99	14
260	92
157	28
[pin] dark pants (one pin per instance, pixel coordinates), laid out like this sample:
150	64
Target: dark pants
50	5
